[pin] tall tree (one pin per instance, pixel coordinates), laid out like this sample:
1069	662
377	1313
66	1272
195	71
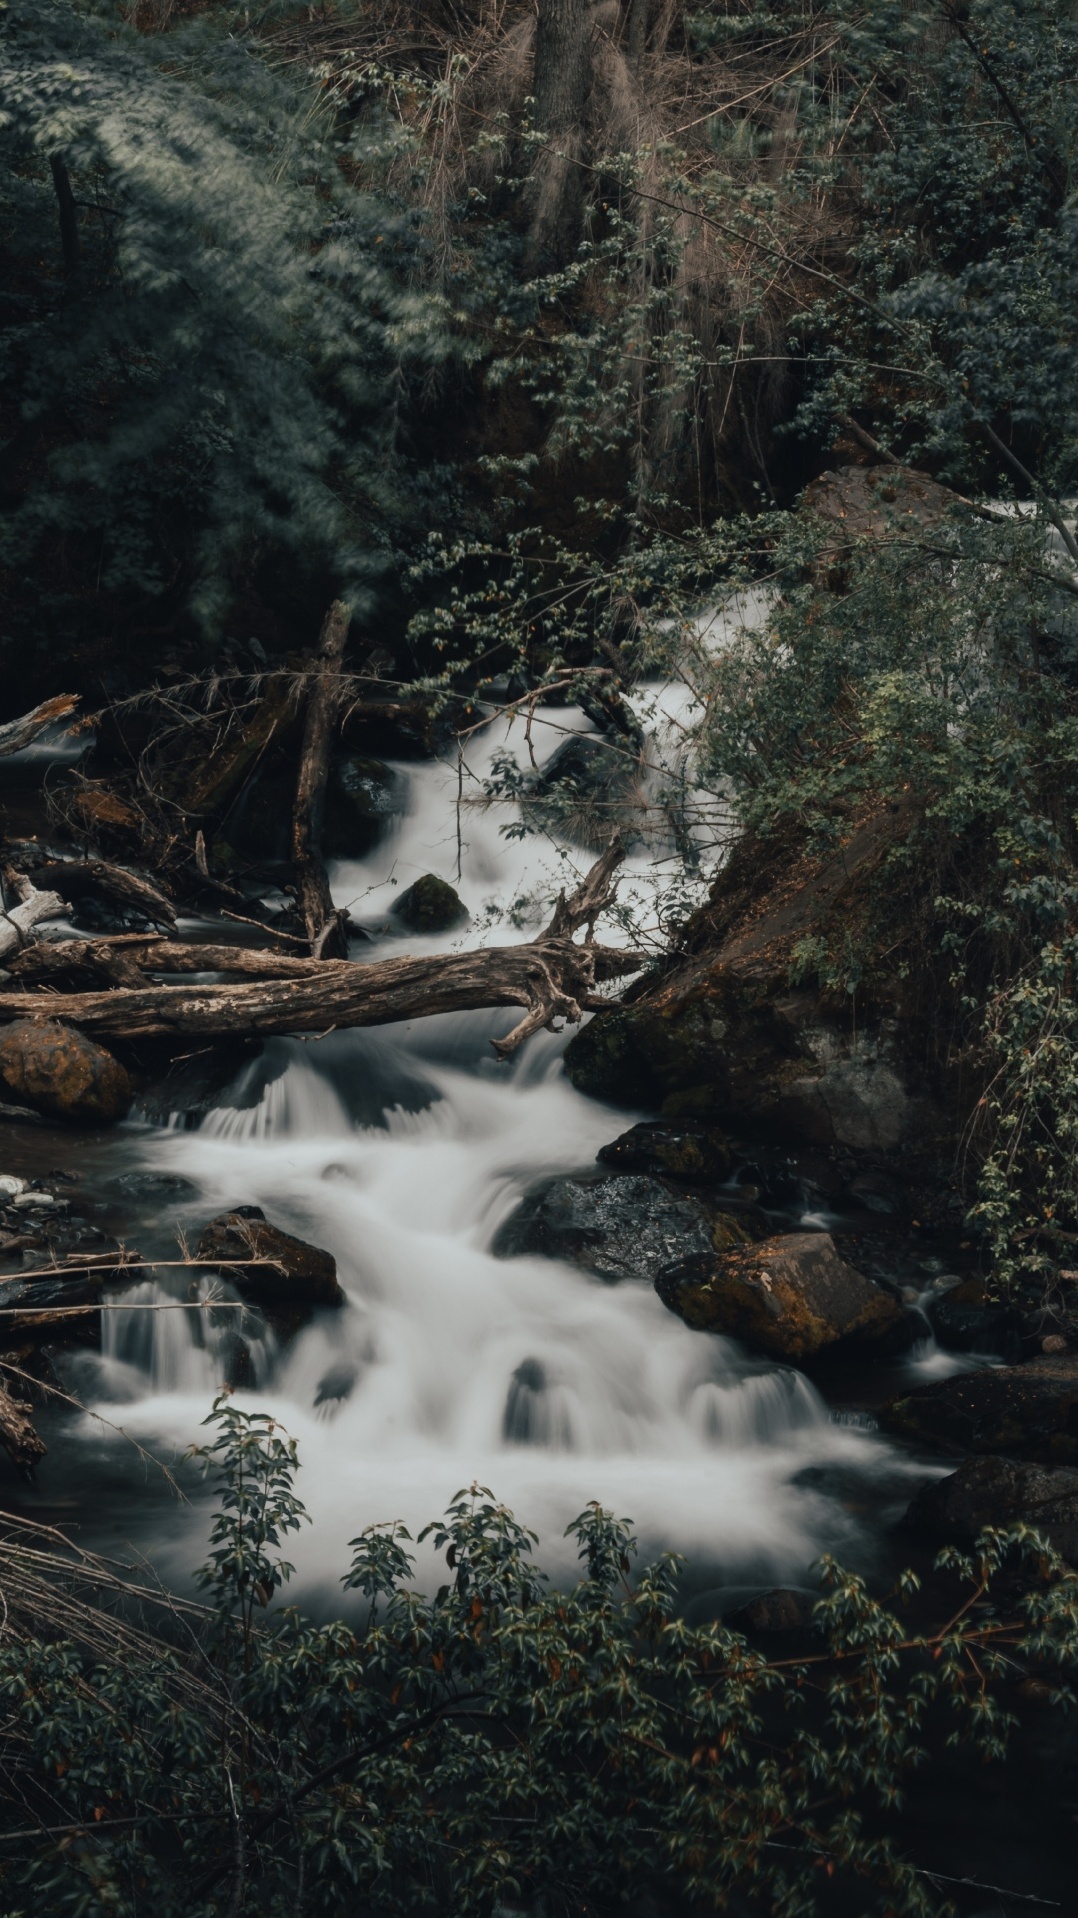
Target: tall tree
560	89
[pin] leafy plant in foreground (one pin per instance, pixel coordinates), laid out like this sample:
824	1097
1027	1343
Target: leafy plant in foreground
502	1745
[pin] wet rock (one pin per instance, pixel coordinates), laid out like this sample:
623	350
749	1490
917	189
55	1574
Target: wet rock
964	1321
62	1074
624	1228
1002	1492
585	788
606	1061
430	905
699	1154
1029	1411
791	1297
361	797
874	1191
32	1306
290	1280
154	1185
783	1610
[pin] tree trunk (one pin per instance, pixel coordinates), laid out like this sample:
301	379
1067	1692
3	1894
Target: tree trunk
560	87
69	219
551	977
325	930
636	31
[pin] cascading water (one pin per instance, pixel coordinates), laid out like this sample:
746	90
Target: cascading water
402	1151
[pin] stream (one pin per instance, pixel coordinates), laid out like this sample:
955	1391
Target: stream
402	1151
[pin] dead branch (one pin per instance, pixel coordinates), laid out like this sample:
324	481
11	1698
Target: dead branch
16	924
550	977
17	1434
19	733
325	930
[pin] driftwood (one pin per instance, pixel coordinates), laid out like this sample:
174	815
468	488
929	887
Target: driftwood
19	733
17	1434
33	906
324	926
551	977
81	876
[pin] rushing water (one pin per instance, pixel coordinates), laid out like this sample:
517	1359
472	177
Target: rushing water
402	1151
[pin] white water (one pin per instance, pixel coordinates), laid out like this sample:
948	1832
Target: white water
401	1151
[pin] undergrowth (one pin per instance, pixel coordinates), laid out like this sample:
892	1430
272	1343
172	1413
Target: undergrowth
504	1745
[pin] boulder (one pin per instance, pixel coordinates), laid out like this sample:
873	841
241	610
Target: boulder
791	1297
623	1228
1000	1491
430	905
587	786
61	1074
1028	1410
781	1611
698	1154
295	1279
725	1032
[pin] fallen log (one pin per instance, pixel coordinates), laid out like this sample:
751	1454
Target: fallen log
80	876
19	733
324	926
551	977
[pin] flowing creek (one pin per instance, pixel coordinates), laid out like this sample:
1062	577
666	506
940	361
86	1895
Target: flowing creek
402	1151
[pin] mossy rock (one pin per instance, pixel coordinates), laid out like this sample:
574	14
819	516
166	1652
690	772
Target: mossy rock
604	1062
60	1073
430	905
701	1155
792	1298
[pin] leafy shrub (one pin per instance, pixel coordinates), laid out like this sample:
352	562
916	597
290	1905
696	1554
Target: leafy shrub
501	1745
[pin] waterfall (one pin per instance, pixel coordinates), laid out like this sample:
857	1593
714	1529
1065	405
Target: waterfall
402	1151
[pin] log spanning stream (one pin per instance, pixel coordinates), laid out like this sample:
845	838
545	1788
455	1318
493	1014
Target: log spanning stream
402	1151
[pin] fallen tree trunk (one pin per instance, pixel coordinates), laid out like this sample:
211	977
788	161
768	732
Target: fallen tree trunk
551	977
81	876
323	923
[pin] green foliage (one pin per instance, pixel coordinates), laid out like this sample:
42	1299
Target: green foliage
201	389
500	1745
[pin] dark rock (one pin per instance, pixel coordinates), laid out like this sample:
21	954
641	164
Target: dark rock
1001	1492
964	1324
581	792
624	1228
430	905
605	1061
31	1304
62	1074
297	1278
361	797
1029	1410
154	1185
698	1154
723	1030
779	1611
876	1192
791	1297
188	1087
